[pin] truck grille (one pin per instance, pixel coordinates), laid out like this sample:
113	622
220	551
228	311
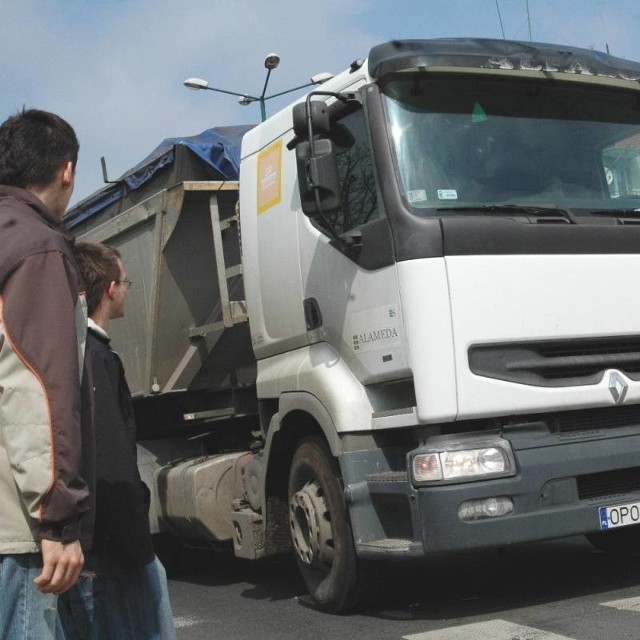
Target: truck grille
557	363
593	419
608	483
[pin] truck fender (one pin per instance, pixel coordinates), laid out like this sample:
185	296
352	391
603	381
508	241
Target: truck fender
311	405
300	414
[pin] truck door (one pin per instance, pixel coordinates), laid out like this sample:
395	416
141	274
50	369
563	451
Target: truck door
350	288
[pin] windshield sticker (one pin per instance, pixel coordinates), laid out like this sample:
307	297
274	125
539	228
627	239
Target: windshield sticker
478	114
377	328
447	194
417	195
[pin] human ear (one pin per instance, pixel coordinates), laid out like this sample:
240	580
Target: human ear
67	174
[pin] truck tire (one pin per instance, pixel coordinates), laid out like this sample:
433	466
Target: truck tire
624	540
320	529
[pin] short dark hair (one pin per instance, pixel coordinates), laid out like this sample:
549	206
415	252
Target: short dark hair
98	266
34	145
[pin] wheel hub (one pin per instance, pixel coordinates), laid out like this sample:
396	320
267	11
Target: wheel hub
310	523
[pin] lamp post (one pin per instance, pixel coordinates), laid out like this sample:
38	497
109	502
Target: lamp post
271	62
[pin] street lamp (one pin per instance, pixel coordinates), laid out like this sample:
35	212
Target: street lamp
271	62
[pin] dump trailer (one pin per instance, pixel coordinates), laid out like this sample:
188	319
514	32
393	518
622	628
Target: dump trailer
404	323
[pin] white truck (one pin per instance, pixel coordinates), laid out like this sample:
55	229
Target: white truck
419	330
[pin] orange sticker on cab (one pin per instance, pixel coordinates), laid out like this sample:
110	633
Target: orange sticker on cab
269	177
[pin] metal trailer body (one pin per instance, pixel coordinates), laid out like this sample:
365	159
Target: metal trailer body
442	350
187	350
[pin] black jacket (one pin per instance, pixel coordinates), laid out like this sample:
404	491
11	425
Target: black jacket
122	499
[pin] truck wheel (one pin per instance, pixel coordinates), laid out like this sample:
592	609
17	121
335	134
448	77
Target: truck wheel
622	540
320	530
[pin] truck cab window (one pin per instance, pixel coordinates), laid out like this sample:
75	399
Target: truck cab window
356	173
459	143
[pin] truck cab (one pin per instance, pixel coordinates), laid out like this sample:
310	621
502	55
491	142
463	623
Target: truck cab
439	251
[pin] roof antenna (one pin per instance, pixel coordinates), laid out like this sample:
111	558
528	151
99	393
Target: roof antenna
103	162
606	44
500	18
528	19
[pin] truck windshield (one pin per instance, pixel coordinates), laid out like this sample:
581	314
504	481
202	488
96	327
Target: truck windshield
471	141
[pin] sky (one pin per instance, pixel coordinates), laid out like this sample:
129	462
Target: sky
114	68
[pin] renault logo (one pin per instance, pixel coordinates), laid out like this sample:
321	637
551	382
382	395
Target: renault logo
617	387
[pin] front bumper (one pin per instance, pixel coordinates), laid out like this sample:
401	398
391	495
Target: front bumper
558	487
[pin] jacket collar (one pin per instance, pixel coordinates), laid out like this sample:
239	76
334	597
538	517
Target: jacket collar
38	206
98	331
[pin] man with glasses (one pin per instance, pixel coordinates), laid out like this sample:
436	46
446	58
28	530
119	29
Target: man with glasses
124	594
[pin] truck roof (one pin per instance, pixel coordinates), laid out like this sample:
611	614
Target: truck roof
484	53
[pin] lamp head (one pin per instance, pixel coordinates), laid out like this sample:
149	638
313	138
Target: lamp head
196	84
271	61
244	100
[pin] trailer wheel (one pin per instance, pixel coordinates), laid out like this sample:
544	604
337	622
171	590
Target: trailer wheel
320	529
624	540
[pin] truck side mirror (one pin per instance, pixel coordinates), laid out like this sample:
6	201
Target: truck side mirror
318	178
319	119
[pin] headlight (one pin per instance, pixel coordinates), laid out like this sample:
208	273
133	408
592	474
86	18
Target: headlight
456	463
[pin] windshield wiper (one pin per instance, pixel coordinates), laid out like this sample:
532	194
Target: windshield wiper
513	208
616	212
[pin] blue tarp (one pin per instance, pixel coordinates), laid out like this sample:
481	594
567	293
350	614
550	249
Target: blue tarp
218	147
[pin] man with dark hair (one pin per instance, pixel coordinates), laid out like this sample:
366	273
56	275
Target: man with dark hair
127	598
43	497
34	145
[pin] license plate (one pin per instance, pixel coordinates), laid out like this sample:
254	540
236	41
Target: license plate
622	515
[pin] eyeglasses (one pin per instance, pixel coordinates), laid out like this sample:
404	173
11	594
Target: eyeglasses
126	282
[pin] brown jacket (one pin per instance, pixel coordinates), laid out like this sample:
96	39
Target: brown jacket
42	335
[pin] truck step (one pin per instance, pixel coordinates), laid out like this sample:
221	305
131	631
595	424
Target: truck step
388	476
388	544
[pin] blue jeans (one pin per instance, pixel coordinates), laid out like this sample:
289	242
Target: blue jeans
25	612
127	604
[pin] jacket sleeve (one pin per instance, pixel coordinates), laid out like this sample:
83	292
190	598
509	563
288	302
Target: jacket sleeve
41	399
